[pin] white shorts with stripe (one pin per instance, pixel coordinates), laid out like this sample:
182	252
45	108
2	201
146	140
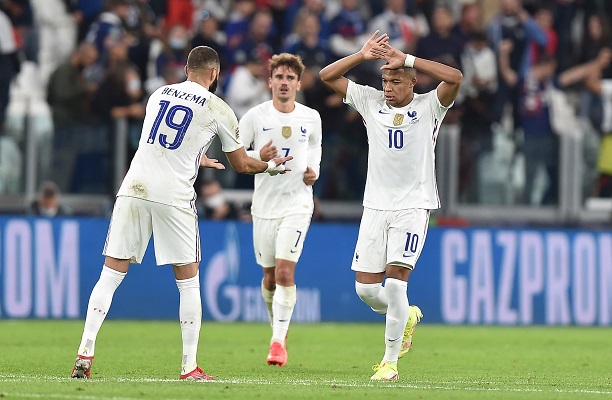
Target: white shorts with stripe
390	237
175	230
281	238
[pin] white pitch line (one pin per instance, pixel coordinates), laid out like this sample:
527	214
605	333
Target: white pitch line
301	382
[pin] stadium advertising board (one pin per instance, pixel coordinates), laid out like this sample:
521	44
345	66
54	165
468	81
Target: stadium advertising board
464	276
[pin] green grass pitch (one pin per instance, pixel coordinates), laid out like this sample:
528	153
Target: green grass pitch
141	360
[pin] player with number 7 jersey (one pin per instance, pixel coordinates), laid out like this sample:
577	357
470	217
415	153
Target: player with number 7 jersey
282	205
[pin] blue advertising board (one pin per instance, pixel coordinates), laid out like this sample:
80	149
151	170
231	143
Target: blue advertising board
464	276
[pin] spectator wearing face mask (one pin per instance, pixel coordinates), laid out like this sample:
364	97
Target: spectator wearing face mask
175	49
213	204
48	203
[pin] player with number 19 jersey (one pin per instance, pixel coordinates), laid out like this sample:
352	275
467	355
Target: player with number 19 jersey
180	124
296	134
401	168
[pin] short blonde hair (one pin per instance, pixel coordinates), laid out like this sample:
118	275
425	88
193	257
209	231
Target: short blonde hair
291	61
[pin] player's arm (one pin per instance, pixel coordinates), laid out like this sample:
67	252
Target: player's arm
242	163
333	74
451	77
314	155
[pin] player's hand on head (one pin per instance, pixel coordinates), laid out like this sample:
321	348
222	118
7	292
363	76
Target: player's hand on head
375	41
395	58
211	163
268	151
310	177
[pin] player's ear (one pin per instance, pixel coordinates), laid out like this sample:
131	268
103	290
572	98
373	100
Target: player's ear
299	85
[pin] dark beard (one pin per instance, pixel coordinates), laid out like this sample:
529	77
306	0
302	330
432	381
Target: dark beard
213	86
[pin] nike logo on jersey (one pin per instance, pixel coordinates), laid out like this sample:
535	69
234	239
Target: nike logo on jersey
293	251
382	112
406	254
267	129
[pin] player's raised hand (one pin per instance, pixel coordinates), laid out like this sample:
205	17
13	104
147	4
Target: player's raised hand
395	58
375	41
268	151
210	163
310	177
280	167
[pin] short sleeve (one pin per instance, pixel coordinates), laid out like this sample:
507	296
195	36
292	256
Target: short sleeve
229	134
358	96
434	102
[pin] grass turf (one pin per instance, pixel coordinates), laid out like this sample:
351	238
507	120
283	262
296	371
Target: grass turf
141	360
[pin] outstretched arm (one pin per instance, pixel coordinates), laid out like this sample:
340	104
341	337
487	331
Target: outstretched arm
244	164
451	77
332	75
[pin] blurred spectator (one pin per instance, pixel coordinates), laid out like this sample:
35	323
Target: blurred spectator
120	96
9	64
248	85
404	31
256	41
479	67
69	96
171	74
209	34
439	43
143	26
470	21
598	35
85	13
22	17
544	19
540	144
237	24
48	202
175	49
58	35
346	29
308	44
213	204
603	88
513	23
108	28
180	12
314	7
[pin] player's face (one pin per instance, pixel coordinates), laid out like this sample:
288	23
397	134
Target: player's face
284	83
398	86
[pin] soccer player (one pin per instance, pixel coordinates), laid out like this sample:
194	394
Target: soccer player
282	205
400	191
157	195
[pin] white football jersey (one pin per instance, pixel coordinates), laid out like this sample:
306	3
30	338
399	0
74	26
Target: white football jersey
401	158
180	123
296	134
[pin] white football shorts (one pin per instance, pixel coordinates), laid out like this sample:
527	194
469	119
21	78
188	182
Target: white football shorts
390	237
175	230
281	238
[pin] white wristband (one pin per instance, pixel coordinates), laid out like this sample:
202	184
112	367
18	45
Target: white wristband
409	62
271	166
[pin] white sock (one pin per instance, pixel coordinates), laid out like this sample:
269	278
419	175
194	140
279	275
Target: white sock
397	317
190	314
268	295
282	306
374	295
99	302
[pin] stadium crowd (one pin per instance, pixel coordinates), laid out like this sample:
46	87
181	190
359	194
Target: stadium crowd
533	70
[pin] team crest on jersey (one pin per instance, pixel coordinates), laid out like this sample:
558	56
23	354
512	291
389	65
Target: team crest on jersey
286	132
398	119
